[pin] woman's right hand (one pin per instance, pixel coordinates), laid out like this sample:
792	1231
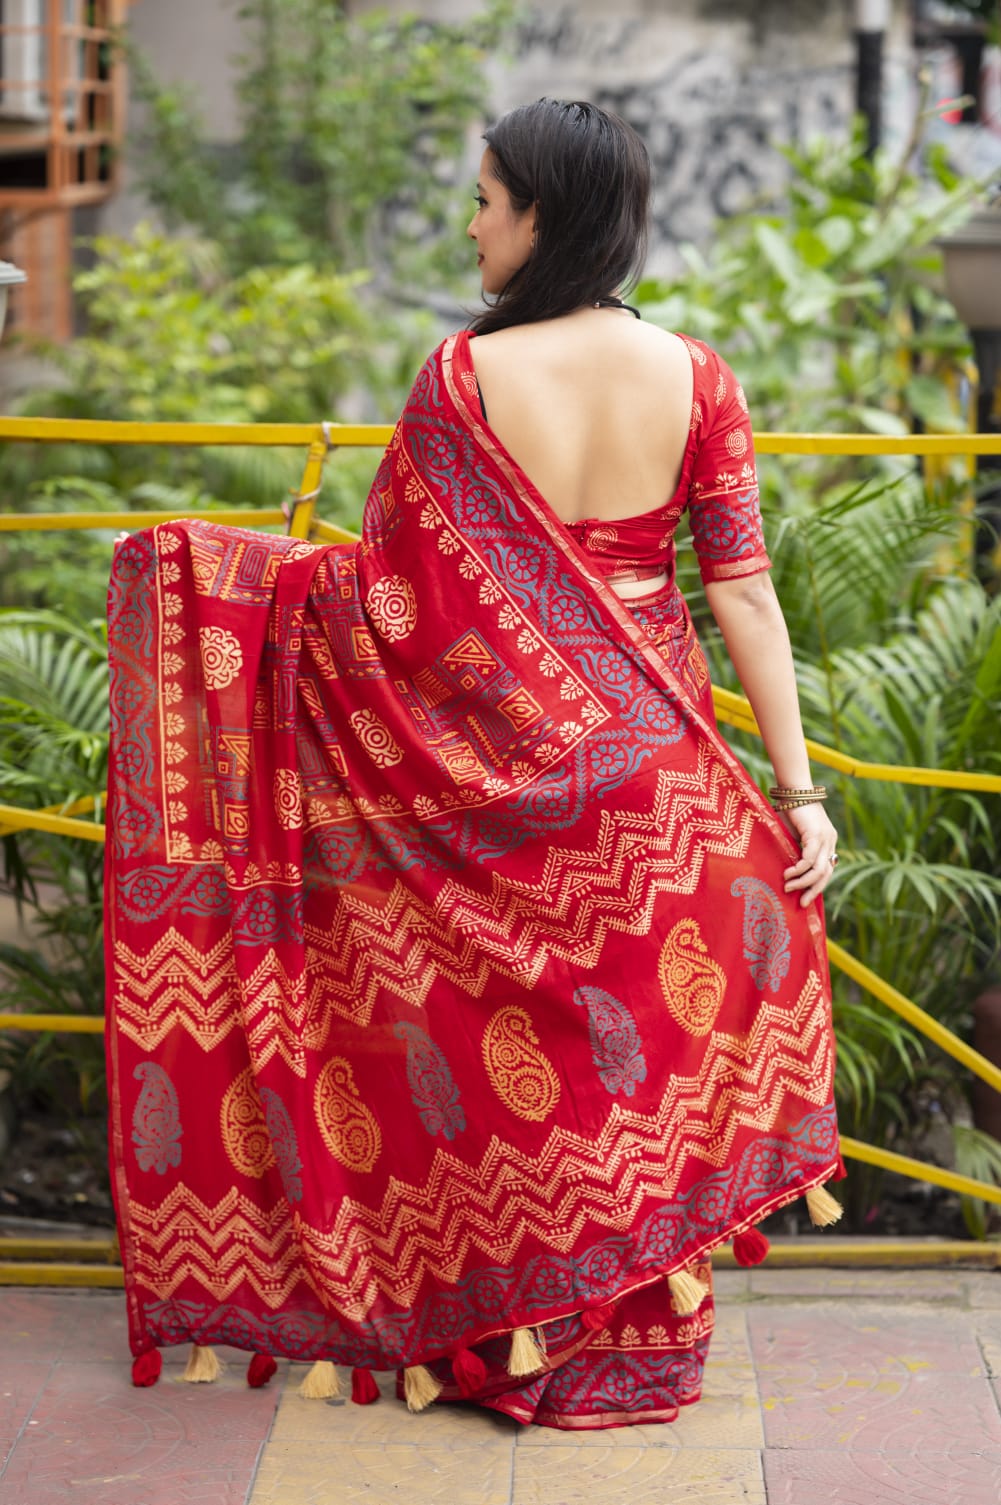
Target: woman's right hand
811	827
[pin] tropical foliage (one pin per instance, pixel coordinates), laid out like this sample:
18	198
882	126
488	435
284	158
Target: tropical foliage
829	307
831	311
54	753
352	129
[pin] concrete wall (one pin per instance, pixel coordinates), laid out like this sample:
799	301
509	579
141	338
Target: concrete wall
189	42
709	83
193	42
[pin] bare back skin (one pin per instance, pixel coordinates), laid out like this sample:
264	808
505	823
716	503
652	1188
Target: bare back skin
595	407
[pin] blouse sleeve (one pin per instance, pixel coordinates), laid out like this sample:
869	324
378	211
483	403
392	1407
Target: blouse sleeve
723	506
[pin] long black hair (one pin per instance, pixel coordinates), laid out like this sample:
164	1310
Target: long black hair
588	174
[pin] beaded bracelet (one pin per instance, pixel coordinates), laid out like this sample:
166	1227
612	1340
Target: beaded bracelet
784	792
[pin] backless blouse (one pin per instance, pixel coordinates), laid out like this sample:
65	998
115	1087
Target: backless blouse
718	485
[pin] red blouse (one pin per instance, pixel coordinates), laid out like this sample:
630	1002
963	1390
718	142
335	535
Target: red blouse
718	484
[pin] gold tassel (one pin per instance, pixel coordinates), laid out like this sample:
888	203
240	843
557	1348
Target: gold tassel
321	1383
687	1293
526	1357
202	1367
823	1208
420	1388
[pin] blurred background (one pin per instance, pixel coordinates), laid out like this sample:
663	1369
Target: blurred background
255	212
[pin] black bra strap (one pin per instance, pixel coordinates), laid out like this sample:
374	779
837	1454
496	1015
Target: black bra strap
617	303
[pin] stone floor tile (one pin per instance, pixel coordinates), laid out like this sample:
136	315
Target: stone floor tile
387	1422
839	1478
716	1422
987	1326
731	1285
884	1383
926	1413
891	1339
351	1474
207	1484
89	1325
730	1342
20	1386
939	1286
983	1289
96	1440
729	1367
616	1475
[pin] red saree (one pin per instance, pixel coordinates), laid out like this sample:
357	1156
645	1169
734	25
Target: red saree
452	990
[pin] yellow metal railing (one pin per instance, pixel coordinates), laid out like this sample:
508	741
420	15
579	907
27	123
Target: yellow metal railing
301	522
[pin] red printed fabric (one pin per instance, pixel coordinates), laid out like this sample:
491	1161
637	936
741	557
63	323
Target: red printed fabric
718	485
452	987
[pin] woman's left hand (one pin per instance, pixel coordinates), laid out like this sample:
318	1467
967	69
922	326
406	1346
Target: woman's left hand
818	839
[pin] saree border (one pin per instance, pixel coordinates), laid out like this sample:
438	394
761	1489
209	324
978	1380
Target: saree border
452	352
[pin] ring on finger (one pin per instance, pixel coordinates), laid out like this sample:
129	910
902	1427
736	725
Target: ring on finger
833	859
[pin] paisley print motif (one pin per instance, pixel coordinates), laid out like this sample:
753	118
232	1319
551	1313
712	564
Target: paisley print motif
156	1121
349	1128
434	1093
284	1143
519	1071
615	1043
766	932
574	808
694	985
245	1135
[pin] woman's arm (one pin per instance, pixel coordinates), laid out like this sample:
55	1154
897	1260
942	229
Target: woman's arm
757	640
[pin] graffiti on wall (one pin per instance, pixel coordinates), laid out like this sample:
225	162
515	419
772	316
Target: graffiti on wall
711	117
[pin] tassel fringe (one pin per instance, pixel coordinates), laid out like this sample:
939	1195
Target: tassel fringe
750	1247
526	1356
687	1293
364	1390
823	1208
202	1367
420	1387
146	1368
321	1383
260	1369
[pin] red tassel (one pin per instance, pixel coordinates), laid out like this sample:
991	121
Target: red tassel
364	1390
260	1369
469	1370
750	1248
597	1317
146	1368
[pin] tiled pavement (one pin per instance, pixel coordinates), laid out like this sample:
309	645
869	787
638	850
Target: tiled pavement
824	1387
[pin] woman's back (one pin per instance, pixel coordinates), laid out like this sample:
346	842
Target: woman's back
595	408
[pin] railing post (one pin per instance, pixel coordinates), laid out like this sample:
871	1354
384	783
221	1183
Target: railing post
303	505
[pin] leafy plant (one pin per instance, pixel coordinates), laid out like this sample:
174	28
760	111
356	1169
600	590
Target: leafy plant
353	128
53	752
171	337
828	305
977	1155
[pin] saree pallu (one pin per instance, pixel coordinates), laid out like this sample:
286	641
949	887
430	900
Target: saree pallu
453	992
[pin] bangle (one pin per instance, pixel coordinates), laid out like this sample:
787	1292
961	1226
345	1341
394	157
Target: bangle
783	792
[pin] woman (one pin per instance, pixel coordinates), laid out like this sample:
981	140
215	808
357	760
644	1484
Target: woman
597	409
465	993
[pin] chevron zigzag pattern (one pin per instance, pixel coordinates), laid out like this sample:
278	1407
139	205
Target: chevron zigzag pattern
511	1196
